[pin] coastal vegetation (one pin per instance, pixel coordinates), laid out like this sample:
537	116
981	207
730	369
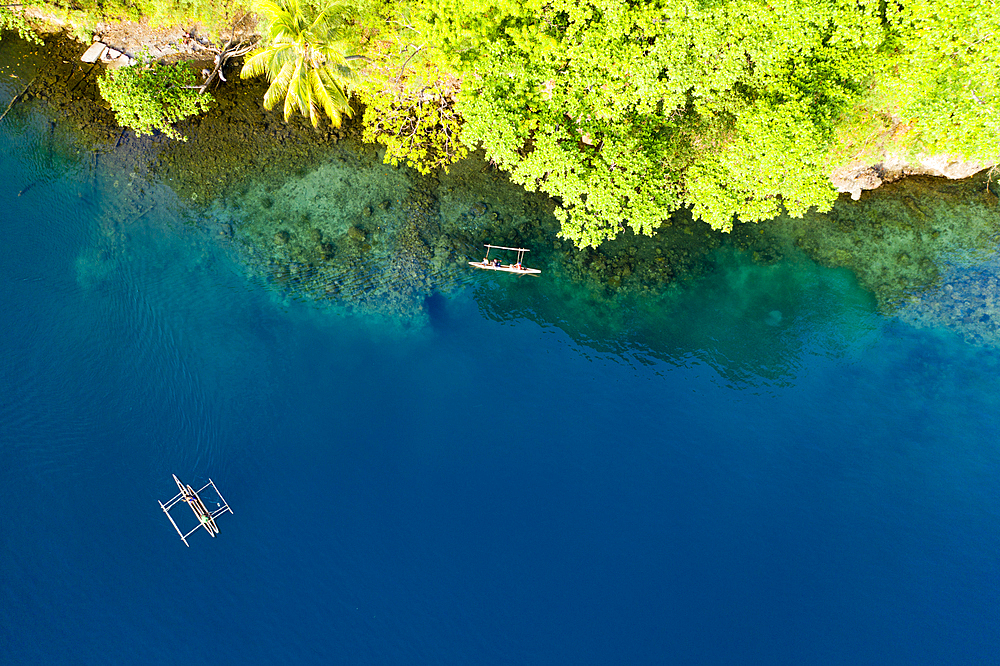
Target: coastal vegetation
303	56
626	113
315	215
152	97
13	19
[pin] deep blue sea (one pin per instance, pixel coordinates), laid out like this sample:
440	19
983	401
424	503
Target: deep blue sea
718	485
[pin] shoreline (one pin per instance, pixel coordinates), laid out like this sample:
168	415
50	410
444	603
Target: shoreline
187	43
238	149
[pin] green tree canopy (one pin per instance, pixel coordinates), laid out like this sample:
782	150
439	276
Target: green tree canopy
941	76
12	18
152	97
626	112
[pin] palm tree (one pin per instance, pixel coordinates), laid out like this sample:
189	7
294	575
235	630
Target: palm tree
303	57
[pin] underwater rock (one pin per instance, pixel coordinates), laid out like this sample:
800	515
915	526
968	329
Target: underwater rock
773	318
356	234
281	237
966	304
385	205
316	235
478	209
367	211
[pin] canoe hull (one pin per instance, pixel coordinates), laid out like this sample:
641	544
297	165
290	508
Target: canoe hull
505	269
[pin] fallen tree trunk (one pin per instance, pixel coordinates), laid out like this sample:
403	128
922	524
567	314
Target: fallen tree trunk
17	97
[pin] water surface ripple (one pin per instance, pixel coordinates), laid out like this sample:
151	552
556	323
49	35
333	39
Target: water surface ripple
750	465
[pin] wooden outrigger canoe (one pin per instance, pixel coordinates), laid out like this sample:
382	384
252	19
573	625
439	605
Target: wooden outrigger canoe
190	496
202	512
509	268
488	265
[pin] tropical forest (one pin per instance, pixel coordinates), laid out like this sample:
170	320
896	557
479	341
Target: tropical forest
622	112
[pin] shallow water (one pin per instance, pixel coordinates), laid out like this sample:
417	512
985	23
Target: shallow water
752	465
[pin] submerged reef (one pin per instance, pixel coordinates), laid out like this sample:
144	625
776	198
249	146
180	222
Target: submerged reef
925	247
966	301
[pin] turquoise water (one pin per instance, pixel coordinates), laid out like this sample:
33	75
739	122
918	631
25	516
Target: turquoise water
751	465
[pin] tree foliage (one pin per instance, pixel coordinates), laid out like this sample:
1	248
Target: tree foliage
942	76
12	18
305	57
627	111
418	124
152	97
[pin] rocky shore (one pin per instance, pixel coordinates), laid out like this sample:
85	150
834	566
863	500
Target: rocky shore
859	176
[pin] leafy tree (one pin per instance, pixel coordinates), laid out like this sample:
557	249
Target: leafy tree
152	97
418	124
12	17
409	99
304	57
627	111
940	81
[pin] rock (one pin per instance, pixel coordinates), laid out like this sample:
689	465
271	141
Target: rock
316	235
356	234
281	237
855	177
94	53
853	182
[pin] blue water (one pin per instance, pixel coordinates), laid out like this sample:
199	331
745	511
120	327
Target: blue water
701	485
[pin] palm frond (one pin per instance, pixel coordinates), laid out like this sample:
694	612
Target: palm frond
256	64
305	57
279	86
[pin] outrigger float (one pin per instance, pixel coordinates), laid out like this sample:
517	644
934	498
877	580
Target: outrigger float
205	517
496	265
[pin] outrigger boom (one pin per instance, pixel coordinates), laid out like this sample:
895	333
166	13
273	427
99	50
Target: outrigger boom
205	517
501	247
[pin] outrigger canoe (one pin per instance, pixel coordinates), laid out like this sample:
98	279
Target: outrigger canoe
508	268
488	265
